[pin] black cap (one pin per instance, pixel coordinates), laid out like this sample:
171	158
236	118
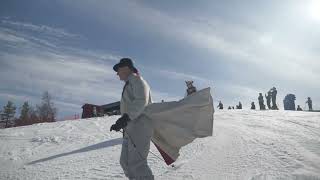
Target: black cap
125	62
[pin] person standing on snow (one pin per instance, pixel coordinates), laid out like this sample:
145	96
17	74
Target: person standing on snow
268	98
220	105
239	106
190	88
274	98
261	102
253	106
299	108
137	130
309	102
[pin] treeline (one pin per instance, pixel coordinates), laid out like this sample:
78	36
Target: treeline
44	112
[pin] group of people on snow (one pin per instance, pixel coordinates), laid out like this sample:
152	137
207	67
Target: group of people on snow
220	106
271	97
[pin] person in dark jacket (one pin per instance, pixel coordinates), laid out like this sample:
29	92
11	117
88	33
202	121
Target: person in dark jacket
261	102
274	98
268	98
299	108
253	106
309	102
220	105
239	106
190	88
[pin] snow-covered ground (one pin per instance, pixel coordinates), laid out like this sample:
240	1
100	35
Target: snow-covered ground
245	145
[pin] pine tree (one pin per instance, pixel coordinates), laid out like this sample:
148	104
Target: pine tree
28	115
24	118
8	112
46	111
1	119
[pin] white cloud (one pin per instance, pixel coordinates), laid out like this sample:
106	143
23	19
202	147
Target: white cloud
72	76
181	76
6	36
236	42
57	32
79	76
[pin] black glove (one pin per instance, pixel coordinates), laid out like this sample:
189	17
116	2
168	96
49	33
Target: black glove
115	128
121	123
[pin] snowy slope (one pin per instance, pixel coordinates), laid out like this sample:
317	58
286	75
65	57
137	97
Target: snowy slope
245	145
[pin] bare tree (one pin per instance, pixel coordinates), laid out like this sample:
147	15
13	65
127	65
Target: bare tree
34	118
46	110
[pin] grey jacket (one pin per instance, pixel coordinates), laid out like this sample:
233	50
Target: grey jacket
135	97
137	134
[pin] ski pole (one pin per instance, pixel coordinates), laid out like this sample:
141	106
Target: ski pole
135	146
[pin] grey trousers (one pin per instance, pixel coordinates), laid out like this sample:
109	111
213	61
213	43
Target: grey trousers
135	149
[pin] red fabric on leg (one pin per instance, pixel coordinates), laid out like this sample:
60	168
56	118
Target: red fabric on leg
164	155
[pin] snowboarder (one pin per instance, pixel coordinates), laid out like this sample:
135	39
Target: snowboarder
309	102
299	108
274	98
268	98
253	106
239	106
220	105
137	130
261	102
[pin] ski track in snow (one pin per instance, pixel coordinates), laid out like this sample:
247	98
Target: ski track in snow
245	145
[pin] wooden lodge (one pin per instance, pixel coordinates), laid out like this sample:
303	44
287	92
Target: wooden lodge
91	110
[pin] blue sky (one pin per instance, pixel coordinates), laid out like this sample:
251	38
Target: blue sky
239	48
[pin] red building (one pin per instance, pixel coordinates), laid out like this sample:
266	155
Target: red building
91	110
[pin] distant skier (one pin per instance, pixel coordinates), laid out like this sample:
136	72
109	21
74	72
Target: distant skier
253	106
309	102
229	108
220	105
261	102
137	130
299	108
268	98
190	88
239	106
274	98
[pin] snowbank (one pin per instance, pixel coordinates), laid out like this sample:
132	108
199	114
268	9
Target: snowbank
245	145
